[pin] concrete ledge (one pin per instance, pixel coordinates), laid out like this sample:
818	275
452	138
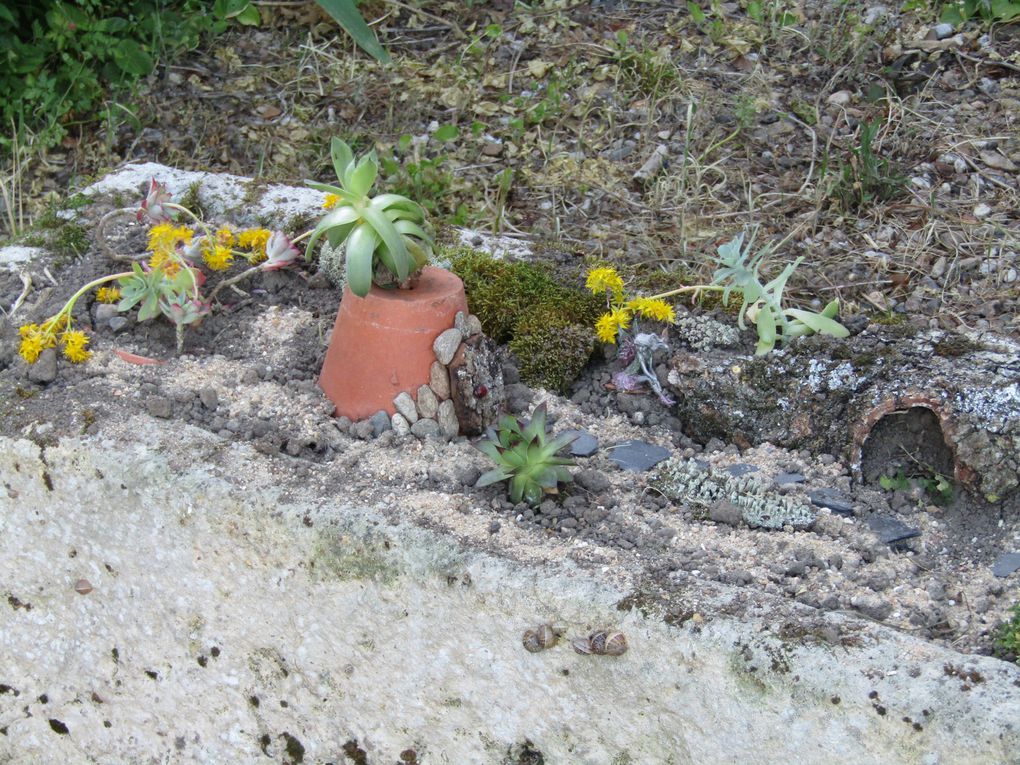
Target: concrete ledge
241	612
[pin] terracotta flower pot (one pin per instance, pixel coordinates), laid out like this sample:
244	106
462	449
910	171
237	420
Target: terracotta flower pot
382	343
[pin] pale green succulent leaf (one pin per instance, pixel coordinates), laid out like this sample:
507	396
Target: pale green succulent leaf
342	157
766	325
385	231
492	476
816	322
363	176
361	246
330	189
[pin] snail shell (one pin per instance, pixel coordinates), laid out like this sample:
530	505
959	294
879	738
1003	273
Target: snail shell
540	638
602	643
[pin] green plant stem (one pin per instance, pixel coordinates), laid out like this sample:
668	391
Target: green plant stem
695	288
69	305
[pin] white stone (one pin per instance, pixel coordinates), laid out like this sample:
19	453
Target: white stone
982	210
439	381
447	418
445	346
839	98
405	405
15	255
428	404
474	326
459	322
400	425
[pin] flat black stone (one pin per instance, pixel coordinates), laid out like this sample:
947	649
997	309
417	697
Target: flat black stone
1006	564
891	530
740	469
584	444
836	501
638	455
784	478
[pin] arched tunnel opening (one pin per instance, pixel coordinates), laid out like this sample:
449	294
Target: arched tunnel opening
908	442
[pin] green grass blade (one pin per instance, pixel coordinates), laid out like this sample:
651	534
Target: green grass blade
346	15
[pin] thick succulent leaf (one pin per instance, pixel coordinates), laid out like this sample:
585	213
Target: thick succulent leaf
150	307
347	15
362	177
823	325
387	259
361	246
384	230
342	157
533	493
831	311
766	324
536	428
548	478
327	188
408	228
564	475
339	217
338	234
493	476
516	457
419	254
391	202
517	484
491	451
561	441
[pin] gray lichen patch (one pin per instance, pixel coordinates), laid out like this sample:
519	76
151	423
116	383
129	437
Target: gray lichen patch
691	481
702	333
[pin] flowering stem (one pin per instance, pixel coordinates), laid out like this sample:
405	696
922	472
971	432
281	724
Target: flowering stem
69	305
695	288
298	238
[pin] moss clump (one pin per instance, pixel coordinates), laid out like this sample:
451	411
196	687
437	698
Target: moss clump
549	327
192	201
954	345
1007	638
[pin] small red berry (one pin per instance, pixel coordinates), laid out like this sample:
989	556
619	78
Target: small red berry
481	391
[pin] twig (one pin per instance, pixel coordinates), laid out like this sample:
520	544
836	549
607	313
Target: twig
101	234
986	62
233	280
26	281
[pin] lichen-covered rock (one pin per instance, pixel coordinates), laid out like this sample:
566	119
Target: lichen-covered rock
702	333
446	416
476	385
827	396
692	481
446	345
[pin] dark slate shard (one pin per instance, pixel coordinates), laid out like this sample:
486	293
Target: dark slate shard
638	455
891	530
741	468
703	465
1006	564
836	501
584	443
784	478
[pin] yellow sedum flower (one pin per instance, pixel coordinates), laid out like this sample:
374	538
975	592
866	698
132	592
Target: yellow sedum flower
74	342
601	279
330	201
164	238
653	308
165	262
107	294
609	324
225	237
254	240
218	258
34	340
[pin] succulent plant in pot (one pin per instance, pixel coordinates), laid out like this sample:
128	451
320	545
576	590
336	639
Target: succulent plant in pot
382	341
385	237
527	457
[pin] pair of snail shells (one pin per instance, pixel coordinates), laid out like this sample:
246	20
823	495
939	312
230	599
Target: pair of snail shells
602	643
542	637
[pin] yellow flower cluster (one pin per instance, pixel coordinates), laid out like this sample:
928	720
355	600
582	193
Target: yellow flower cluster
217	257
254	240
165	237
601	280
107	294
330	201
609	324
36	338
621	312
225	237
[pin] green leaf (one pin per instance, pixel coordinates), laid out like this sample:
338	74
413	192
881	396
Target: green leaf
342	157
951	15
360	253
818	323
249	17
132	58
363	176
766	325
345	13
696	13
446	133
533	493
493	476
150	307
384	230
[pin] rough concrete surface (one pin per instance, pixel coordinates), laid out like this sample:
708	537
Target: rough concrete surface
240	613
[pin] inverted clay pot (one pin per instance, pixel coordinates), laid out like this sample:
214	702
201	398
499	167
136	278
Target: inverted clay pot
382	343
